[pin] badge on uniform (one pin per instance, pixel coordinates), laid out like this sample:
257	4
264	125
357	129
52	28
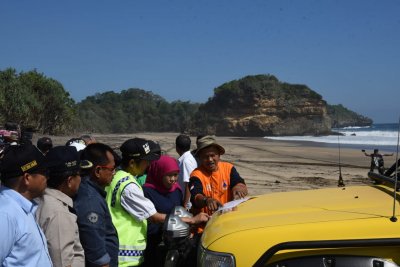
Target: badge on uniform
93	217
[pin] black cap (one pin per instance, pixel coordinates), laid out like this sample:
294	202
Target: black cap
138	148
65	158
154	147
44	143
21	159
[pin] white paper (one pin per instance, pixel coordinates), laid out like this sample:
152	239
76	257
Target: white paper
231	204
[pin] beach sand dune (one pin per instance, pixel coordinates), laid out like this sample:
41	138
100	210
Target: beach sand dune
272	166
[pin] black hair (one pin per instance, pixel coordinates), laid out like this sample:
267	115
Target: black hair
44	147
97	154
125	161
183	142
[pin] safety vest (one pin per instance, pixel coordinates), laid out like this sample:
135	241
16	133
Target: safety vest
131	233
216	184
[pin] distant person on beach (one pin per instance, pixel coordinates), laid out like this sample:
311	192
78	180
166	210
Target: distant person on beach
376	160
187	164
214	182
78	143
88	139
97	233
23	178
56	214
44	144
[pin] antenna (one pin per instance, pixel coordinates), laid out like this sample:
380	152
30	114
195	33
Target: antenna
340	181
393	218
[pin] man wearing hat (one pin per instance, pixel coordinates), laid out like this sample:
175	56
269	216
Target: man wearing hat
128	206
56	214
97	233
214	182
23	178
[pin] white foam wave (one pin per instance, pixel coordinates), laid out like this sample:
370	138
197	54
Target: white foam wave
354	127
361	138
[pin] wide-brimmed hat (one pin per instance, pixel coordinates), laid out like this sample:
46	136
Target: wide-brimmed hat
207	141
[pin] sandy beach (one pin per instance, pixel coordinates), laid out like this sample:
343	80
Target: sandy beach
270	166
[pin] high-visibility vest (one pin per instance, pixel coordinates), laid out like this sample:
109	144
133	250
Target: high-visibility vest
131	233
215	184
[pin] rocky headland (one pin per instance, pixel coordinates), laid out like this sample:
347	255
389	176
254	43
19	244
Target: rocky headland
261	105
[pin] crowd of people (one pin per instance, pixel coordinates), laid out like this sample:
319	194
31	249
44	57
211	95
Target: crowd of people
84	204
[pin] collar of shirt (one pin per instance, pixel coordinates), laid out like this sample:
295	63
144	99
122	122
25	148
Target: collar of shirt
91	183
27	205
185	155
57	194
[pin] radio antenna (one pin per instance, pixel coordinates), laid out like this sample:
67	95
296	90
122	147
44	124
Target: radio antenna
393	218
340	181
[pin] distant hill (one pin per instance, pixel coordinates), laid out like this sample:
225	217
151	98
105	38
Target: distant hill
343	117
134	110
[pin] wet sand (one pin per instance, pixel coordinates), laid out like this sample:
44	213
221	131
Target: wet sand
268	165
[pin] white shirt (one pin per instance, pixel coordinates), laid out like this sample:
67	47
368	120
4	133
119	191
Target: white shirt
187	164
136	204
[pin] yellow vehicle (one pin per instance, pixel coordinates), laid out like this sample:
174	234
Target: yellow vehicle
344	226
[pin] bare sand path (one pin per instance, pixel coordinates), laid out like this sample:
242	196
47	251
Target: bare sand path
270	166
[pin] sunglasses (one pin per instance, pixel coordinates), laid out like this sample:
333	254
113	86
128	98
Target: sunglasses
112	169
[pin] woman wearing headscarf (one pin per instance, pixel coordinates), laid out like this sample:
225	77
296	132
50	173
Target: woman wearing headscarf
162	189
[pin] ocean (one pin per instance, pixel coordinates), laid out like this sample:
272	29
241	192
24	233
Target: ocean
382	136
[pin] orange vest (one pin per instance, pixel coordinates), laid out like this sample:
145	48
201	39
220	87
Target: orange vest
215	184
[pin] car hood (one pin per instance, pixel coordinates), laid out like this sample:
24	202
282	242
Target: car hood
302	208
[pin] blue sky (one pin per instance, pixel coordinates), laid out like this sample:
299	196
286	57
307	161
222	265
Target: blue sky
348	51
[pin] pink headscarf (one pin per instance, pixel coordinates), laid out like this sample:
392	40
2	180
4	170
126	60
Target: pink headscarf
157	170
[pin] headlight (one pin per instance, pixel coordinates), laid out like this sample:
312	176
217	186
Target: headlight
210	258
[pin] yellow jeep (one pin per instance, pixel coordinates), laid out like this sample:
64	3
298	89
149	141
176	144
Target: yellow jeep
344	226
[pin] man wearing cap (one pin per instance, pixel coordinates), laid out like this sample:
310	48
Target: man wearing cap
128	206
44	144
23	178
56	214
97	233
214	182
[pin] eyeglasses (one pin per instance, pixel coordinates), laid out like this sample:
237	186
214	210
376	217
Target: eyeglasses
112	169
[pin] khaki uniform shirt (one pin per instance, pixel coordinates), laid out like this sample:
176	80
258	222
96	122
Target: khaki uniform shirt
60	228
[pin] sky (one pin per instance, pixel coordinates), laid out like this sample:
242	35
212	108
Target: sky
348	51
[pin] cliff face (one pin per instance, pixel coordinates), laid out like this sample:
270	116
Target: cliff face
261	105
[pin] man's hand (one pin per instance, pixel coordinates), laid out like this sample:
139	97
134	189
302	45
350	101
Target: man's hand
239	191
212	204
201	218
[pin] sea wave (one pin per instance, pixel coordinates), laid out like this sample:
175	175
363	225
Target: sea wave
352	127
361	138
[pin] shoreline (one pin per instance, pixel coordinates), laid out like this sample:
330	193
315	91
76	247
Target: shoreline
270	165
